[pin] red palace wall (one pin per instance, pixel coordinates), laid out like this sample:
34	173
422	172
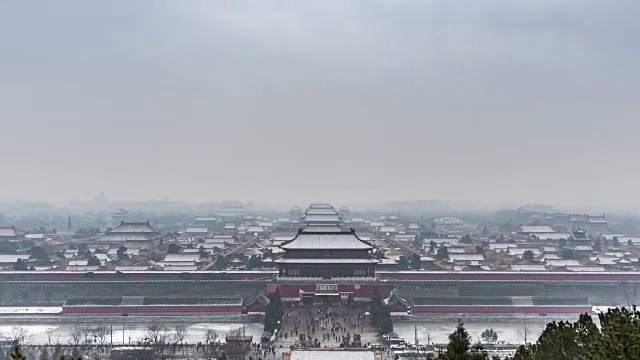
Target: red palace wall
612	276
357	290
508	276
149	309
502	309
256	307
398	308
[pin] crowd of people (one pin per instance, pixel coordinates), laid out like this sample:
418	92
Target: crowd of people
325	325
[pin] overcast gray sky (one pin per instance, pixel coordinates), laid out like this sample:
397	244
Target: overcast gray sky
291	101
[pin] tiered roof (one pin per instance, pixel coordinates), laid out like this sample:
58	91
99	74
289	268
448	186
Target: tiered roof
10	232
320	205
321	211
312	238
135	227
131	231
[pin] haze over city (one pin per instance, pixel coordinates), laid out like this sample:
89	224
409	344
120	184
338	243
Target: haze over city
289	102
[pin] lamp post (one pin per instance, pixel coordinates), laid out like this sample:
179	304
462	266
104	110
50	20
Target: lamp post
124	316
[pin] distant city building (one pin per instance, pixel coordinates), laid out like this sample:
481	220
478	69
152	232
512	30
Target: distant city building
119	216
295	213
591	224
210	222
138	233
452	226
345	212
230	229
413	228
542	232
232	212
9	233
197	232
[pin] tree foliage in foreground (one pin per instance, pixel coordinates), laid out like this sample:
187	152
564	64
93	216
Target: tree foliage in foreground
274	312
381	314
618	338
460	347
16	354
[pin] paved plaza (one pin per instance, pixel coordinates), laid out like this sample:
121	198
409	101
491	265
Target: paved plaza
327	324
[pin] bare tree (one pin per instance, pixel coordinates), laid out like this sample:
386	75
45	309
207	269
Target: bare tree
101	334
49	335
630	292
181	333
211	336
211	344
157	336
87	336
75	336
525	331
239	347
20	335
532	328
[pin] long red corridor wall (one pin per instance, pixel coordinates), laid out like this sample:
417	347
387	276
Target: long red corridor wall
445	309
150	309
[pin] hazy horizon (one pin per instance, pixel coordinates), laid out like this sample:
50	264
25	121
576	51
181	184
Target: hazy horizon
289	102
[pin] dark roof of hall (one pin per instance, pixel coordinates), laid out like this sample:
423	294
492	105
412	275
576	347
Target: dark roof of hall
308	239
321	211
320	206
322	229
334	218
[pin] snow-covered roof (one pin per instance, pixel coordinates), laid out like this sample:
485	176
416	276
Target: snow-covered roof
536	229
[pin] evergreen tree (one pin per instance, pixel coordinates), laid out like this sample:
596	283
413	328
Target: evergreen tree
380	314
565	341
173	248
38	253
417	242
122	252
403	264
596	246
416	263
254	262
16	354
528	255
94	261
615	242
459	343
21	265
274	313
221	263
460	347
443	253
204	253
